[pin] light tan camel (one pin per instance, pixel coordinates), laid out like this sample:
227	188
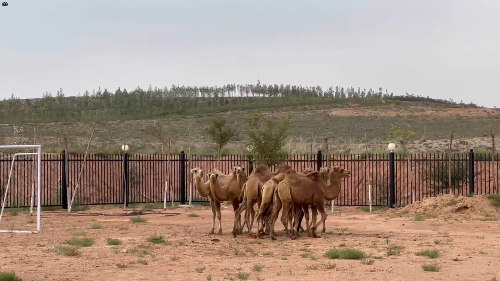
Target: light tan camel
252	194
229	191
203	189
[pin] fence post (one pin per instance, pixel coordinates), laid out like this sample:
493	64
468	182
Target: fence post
392	180
182	177
471	173
319	160
64	183
126	182
250	164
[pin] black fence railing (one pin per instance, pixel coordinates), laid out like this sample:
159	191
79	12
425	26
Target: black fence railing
395	180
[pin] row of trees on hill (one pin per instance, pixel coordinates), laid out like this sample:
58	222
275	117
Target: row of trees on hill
104	105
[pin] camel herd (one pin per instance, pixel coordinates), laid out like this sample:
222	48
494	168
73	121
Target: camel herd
285	190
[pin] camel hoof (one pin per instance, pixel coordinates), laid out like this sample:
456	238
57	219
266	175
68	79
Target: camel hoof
324	230
273	238
211	232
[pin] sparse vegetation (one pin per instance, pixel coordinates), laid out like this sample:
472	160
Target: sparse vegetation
138	220
200	269
494	199
431	267
96	226
346	254
193	215
394	250
113	241
429	253
157	239
9	276
258	267
81	242
67	251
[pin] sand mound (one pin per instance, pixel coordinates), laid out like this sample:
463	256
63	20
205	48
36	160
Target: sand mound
451	207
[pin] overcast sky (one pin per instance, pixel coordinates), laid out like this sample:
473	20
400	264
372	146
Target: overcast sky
443	49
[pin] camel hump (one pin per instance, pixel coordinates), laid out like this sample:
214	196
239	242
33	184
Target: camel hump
279	177
313	175
260	169
283	168
290	172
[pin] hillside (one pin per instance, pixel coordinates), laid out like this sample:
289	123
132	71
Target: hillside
352	120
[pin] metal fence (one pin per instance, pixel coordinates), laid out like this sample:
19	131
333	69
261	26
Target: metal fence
119	179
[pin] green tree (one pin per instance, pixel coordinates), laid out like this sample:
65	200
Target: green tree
401	136
267	136
220	133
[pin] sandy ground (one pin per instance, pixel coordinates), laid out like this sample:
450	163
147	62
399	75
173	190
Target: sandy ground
468	249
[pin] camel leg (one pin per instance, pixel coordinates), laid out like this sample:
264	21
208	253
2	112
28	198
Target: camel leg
305	209
298	214
236	206
274	215
219	216
299	225
237	227
261	217
214	212
314	212
251	215
321	210
287	204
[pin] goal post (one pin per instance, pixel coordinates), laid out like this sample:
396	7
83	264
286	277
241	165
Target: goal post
32	191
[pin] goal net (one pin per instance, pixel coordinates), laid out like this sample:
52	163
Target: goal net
30	177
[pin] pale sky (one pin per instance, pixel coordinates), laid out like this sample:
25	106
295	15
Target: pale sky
438	48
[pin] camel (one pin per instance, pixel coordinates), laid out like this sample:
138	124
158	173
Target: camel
229	191
204	190
268	191
266	201
306	190
332	178
251	194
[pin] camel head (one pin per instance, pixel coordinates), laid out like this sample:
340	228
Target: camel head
213	177
339	172
197	172
239	171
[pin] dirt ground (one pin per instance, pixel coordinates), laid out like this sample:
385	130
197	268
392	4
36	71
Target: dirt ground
468	249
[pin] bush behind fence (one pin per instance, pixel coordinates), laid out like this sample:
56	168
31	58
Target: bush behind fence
104	177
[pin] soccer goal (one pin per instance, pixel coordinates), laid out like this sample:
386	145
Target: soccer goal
34	183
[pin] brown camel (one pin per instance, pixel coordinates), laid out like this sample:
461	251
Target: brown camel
304	190
251	194
307	190
204	191
268	191
267	201
331	193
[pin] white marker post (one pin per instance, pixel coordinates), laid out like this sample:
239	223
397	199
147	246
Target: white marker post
370	196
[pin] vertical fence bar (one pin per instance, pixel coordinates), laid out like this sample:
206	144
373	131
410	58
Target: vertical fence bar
392	179
182	177
64	184
319	160
126	182
471	173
